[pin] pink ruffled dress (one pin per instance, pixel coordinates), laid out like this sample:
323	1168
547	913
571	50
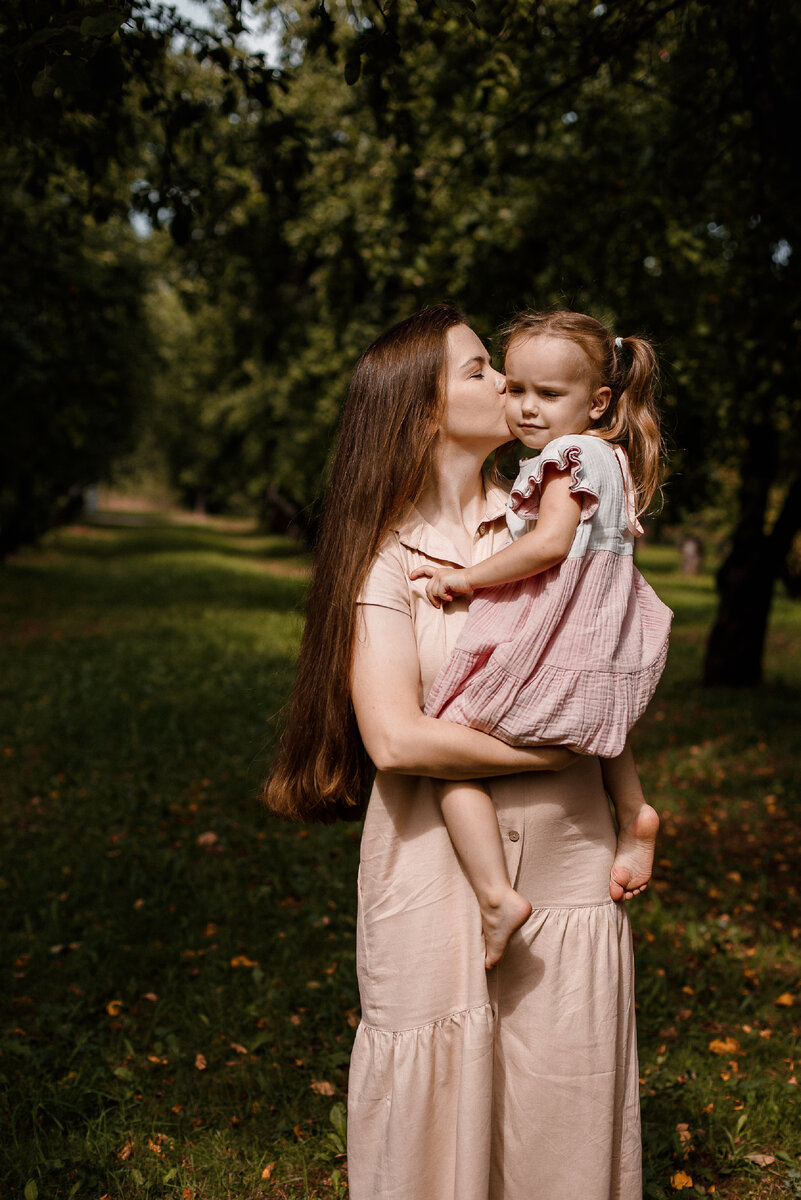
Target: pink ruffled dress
569	657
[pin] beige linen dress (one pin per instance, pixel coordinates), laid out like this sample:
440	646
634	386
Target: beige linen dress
514	1084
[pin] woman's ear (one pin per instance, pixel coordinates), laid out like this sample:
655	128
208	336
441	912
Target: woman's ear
600	402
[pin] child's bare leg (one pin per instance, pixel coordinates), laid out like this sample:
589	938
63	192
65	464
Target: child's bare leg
638	825
472	823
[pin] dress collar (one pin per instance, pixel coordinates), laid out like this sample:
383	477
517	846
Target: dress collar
416	533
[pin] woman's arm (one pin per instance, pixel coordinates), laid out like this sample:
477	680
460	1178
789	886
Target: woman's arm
398	736
545	546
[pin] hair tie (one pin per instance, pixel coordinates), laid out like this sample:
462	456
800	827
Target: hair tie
618	343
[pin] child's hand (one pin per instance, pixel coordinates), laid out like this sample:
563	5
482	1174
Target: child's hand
443	584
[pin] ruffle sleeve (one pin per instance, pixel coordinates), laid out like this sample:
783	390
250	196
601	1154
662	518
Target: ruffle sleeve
568	453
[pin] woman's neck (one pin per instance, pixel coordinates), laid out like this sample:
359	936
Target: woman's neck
454	500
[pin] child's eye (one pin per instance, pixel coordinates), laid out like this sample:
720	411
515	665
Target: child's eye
514	391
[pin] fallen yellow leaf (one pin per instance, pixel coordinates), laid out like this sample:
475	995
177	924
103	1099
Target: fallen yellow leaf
761	1160
727	1045
786	1000
268	1170
323	1088
242	960
681	1180
200	1062
239	1048
114	1008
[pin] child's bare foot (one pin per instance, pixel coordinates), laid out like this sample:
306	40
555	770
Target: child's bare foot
634	858
499	920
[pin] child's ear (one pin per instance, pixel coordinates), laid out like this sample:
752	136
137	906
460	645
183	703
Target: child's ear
600	402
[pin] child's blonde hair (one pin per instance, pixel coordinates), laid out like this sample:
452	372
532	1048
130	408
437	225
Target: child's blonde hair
631	418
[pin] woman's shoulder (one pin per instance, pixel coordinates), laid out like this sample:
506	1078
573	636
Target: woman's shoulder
386	582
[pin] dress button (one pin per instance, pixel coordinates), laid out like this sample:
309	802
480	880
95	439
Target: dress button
514	836
482	529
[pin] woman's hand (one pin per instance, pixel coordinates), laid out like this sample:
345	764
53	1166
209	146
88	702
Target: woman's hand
443	584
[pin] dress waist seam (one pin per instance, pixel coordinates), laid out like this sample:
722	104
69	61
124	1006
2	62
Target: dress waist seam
475	1008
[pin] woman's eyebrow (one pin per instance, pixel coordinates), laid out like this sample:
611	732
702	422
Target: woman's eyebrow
477	358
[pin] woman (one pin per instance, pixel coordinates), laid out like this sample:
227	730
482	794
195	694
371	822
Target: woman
521	1083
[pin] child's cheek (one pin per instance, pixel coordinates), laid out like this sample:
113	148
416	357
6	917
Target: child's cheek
514	417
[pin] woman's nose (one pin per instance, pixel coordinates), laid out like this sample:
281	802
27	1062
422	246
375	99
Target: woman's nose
500	383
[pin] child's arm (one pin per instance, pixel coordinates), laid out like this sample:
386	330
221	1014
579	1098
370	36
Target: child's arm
546	545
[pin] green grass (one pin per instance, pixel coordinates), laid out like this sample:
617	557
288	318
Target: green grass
154	914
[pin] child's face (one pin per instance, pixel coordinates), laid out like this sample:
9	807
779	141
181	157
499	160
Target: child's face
548	390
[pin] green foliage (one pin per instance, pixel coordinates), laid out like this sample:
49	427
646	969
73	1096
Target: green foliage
501	156
84	92
73	352
152	913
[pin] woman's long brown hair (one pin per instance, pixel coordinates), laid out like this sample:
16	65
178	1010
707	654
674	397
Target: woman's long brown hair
630	371
382	462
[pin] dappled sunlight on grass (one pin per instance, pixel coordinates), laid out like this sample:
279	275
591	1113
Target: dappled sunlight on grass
181	993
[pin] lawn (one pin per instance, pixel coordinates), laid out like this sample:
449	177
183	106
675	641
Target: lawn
180	992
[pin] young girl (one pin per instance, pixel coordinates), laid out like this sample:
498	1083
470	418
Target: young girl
568	648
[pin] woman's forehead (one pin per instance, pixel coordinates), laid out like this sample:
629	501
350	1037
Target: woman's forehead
463	345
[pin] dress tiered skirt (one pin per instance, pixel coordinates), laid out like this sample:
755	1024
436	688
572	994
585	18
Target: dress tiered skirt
516	1084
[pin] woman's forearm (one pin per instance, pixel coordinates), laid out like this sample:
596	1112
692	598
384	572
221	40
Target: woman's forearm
398	736
444	750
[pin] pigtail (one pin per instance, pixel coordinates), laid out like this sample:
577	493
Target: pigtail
633	417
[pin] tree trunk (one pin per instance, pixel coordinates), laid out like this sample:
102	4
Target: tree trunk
748	575
737	641
745	580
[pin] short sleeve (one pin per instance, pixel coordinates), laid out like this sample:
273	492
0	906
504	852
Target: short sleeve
387	582
568	453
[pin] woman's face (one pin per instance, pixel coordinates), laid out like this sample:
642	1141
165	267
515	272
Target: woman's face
474	412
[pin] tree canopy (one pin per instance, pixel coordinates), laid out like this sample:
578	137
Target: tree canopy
628	159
